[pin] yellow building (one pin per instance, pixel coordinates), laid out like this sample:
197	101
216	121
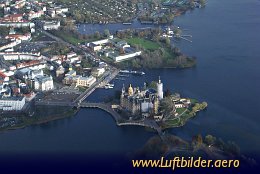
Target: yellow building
86	81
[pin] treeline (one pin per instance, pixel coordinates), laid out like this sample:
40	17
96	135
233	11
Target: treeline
229	148
165	55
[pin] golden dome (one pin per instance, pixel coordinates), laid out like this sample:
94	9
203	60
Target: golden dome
130	90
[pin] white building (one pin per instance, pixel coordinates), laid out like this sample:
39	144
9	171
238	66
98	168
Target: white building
120	58
86	81
43	83
50	25
96	72
21	55
12	103
17	24
33	14
179	105
10	45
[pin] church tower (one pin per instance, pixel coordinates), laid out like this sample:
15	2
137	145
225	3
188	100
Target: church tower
160	89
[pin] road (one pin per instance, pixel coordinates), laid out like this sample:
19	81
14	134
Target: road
60	40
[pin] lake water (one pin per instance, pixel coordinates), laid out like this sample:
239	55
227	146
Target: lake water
226	43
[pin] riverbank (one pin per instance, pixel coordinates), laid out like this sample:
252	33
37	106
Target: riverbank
42	115
157	54
208	147
183	112
158	12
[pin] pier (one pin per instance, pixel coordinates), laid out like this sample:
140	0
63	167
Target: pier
182	37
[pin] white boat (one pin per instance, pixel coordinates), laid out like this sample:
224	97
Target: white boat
124	71
109	86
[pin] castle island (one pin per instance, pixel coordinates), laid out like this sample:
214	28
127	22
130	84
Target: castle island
150	103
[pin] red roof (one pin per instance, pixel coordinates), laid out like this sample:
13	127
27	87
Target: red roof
2	75
15	15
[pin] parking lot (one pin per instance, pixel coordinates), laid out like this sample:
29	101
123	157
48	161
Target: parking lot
30	47
64	94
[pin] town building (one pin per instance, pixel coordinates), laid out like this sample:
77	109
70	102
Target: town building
33	14
3	78
116	49
21	37
21	55
71	73
43	83
12	103
96	72
35	79
60	71
50	25
86	81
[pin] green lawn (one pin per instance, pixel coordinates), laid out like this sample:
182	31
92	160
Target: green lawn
146	44
172	123
185	116
180	110
69	37
193	101
168	53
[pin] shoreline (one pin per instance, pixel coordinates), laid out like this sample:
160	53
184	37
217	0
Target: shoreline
50	118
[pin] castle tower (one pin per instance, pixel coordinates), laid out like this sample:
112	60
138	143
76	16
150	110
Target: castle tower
122	96
156	105
130	90
123	90
160	89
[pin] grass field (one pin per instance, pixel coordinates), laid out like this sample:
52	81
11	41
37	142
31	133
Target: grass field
180	110
69	37
146	44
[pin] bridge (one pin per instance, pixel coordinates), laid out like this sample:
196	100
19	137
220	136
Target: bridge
121	121
105	107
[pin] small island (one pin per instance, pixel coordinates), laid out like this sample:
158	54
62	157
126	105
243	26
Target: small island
152	107
208	147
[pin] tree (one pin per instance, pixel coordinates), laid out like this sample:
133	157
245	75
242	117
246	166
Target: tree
168	41
167	106
97	35
209	140
197	140
233	148
167	93
153	85
107	32
202	2
4	31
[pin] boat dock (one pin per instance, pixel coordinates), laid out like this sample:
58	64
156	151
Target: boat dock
132	72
